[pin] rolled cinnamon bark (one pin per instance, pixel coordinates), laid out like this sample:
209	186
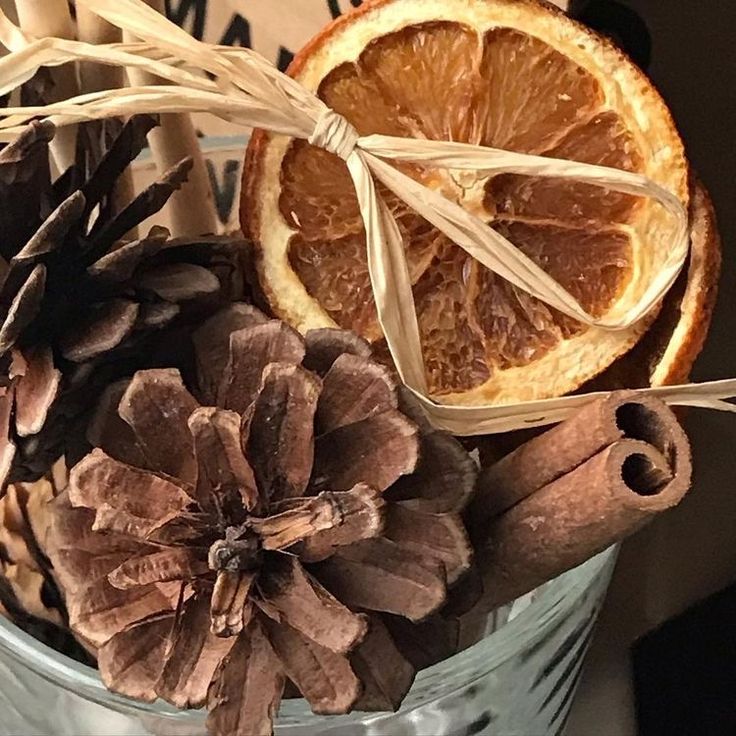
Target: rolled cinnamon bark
582	512
560	450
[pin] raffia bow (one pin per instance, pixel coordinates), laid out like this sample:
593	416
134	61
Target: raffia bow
244	88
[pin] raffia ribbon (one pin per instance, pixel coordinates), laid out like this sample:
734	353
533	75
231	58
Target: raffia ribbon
244	88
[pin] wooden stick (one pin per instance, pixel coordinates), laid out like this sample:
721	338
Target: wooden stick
191	210
97	77
93	29
42	18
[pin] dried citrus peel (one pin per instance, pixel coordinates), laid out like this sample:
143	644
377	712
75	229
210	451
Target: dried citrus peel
249	91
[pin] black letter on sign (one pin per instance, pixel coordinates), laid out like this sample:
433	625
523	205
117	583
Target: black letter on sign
237	33
225	195
334	7
285	58
180	13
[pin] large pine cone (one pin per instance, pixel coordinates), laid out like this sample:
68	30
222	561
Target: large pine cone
79	305
258	529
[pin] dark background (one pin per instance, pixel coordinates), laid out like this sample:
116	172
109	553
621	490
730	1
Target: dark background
689	49
685	682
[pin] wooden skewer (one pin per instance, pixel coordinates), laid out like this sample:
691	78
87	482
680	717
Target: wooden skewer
97	77
191	210
42	18
93	29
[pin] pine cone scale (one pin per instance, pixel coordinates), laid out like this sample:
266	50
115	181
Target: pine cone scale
251	350
159	567
223	471
195	654
282	450
103	328
36	389
324	677
156	399
310	609
247	688
24	308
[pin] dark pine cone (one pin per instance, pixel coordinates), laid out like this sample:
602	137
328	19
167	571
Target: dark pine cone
79	304
264	528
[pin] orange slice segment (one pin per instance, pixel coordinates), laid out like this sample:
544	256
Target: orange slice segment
513	75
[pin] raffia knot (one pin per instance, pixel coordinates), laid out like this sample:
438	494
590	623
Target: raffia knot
334	134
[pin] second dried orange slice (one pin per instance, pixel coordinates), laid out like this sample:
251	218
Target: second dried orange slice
511	74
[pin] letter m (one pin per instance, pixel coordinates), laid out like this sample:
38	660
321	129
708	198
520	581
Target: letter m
190	13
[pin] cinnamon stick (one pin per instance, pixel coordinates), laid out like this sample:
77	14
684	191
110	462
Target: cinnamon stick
571	493
565	447
191	210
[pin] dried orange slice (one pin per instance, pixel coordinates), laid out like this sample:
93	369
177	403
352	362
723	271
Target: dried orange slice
666	354
512	74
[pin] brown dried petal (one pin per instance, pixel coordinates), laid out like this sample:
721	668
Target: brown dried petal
229	608
376	451
444	479
194	656
104	328
165	566
51	234
108	431
281	442
326	345
212	345
379	575
363	514
101	611
100	480
223	470
36	391
7	446
438	536
157	407
120	264
131	662
323	677
179	282
307	607
354	389
387	676
251	350
246	693
24	308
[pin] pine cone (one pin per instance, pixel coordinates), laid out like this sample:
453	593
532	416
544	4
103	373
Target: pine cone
80	306
216	546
